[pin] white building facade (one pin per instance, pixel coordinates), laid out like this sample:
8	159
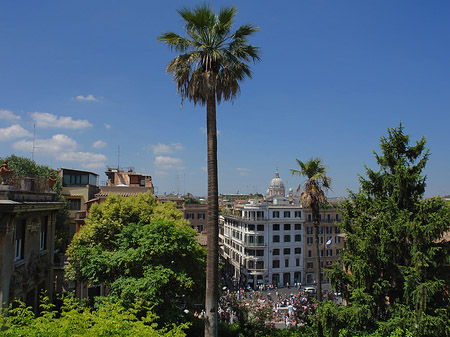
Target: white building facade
262	243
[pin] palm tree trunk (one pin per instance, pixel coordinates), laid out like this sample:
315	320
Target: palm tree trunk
315	214
212	255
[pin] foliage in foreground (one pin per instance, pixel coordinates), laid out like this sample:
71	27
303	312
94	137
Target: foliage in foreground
143	251
76	320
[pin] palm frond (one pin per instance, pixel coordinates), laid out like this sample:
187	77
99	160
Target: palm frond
213	57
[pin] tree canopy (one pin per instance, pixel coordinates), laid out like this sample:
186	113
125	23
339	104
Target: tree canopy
74	319
143	251
395	267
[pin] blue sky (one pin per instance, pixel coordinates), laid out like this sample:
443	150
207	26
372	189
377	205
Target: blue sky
334	75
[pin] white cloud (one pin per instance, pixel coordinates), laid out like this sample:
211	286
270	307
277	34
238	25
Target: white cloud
99	144
62	147
53	146
8	115
161	148
107	126
47	120
14	131
164	148
177	146
88	98
87	159
243	171
168	163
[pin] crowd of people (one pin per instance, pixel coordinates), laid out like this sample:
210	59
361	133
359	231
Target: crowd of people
287	308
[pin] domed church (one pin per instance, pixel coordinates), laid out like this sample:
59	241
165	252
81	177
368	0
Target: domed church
276	187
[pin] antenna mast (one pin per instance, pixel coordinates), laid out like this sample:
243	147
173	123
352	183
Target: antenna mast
34	138
118	158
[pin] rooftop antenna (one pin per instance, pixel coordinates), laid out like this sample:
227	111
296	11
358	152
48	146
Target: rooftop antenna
178	185
118	158
34	138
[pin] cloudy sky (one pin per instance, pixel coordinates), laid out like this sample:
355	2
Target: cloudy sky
87	78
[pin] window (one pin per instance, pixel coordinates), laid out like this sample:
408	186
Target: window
309	265
287	214
321	252
329	217
320	230
259	264
337	217
286	251
309	218
298	250
190	216
298	226
329	252
260	239
276	252
74	204
276	238
286	263
309	253
276	227
75	179
287	226
287	238
20	239
298	238
309	230
251	227
260	228
321	239
251	264
337	239
297	262
309	240
298	214
337	230
43	234
329	229
276	214
276	264
259	253
201	216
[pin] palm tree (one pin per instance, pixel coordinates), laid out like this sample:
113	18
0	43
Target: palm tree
312	196
212	62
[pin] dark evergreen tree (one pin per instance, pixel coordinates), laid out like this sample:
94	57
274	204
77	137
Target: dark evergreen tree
395	266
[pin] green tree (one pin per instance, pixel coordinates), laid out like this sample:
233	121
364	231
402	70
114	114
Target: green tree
313	196
212	63
396	263
144	252
109	319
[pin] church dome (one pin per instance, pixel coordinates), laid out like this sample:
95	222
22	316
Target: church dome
276	187
276	182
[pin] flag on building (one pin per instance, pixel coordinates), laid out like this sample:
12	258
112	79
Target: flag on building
329	242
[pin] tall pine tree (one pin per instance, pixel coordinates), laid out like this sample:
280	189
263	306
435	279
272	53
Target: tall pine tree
395	265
